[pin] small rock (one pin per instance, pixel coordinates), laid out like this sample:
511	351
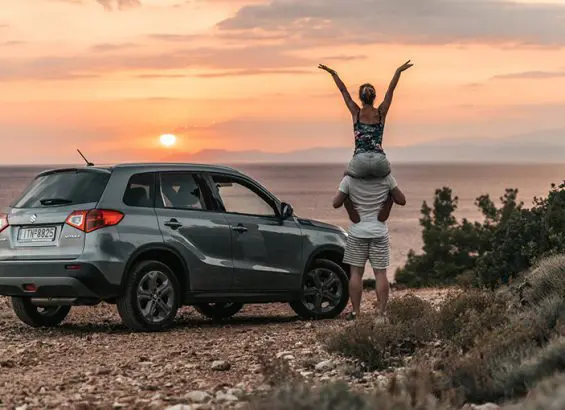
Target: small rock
486	406
197	396
308	325
306	374
235	392
222	397
221	365
325	366
282	354
324	378
180	407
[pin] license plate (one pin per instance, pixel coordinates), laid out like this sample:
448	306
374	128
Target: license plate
37	234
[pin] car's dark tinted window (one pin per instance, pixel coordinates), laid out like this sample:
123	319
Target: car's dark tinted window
140	190
180	190
239	197
64	188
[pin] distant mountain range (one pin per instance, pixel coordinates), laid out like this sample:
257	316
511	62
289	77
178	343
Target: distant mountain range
547	146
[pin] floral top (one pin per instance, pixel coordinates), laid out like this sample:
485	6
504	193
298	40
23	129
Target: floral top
368	137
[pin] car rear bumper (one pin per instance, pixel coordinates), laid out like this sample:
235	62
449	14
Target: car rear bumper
55	280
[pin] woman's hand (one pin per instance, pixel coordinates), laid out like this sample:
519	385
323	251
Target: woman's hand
326	68
404	66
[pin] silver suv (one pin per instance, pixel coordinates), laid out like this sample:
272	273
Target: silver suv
153	237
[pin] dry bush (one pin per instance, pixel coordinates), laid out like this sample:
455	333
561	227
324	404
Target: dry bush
466	317
379	346
512	356
401	396
548	394
546	279
409	308
278	371
466	280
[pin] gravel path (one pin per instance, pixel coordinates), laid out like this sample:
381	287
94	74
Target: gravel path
93	361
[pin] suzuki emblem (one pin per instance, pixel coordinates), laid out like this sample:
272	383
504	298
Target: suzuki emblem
33	218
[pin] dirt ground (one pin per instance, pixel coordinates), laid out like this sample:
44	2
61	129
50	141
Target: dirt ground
93	361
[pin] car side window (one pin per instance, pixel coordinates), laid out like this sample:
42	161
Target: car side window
239	198
140	191
180	190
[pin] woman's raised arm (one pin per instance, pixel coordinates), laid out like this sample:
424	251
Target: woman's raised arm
353	107
385	105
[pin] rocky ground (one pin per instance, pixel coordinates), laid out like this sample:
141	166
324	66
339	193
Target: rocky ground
93	361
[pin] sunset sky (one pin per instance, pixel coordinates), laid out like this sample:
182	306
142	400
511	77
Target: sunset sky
111	76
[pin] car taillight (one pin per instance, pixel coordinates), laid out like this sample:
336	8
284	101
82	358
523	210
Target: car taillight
3	221
88	221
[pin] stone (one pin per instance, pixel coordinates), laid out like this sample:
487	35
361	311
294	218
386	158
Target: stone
180	407
237	392
485	406
222	397
197	396
221	365
282	354
324	366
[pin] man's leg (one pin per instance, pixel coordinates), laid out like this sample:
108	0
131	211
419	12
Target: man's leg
379	257
356	255
382	289
356	288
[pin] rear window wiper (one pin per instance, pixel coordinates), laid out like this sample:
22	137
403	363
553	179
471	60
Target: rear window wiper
55	201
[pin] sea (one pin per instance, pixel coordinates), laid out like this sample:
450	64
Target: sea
310	189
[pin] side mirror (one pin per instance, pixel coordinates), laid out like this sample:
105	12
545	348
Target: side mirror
286	211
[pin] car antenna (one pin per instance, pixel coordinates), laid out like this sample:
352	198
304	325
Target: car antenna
88	163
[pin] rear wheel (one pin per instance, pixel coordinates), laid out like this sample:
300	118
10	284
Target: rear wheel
39	316
219	311
325	291
150	300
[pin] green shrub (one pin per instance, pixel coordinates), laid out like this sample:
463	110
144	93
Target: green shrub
508	241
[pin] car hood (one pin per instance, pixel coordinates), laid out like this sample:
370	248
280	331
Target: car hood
318	224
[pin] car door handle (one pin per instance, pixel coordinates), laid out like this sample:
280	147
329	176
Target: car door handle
240	228
173	224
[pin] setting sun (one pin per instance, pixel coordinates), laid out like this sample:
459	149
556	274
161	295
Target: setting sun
168	140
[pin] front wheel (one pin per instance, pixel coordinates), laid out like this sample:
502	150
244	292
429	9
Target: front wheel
218	311
325	291
39	316
150	300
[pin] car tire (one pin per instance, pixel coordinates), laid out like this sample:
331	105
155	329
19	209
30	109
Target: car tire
325	291
38	316
151	297
218	311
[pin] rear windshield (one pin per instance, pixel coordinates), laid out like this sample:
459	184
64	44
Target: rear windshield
64	188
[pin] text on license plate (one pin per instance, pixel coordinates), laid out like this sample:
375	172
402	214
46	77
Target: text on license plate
37	234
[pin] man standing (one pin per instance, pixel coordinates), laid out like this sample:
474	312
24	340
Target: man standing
372	200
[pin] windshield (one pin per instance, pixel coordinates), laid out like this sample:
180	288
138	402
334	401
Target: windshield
64	188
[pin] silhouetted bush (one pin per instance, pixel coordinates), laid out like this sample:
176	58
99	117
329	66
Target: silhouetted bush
509	240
